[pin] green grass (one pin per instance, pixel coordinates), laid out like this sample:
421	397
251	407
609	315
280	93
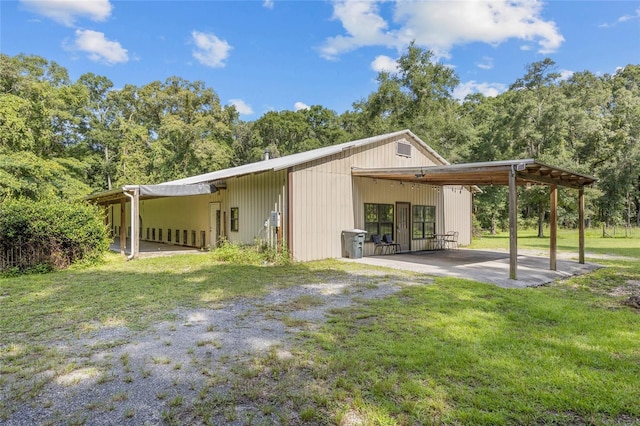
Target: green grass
567	240
462	352
448	351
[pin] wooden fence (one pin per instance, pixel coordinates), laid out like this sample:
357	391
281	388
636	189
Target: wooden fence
19	255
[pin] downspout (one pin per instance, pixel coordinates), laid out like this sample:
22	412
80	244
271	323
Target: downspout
133	211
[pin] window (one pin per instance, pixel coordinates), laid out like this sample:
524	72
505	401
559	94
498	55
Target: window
235	218
424	222
378	219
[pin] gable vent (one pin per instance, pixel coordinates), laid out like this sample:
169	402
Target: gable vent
403	149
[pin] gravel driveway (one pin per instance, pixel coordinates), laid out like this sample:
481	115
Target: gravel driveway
122	376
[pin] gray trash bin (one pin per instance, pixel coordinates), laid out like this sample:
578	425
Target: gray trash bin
353	243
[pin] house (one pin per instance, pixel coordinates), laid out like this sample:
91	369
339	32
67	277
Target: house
389	184
302	201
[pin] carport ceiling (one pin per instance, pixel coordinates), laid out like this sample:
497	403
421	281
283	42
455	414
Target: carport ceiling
489	173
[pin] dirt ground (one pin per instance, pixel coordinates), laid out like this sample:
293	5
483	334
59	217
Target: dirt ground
122	376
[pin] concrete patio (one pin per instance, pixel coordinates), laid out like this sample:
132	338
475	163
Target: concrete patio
153	249
481	265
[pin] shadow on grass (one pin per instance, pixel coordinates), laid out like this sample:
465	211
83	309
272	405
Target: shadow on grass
453	352
49	322
464	353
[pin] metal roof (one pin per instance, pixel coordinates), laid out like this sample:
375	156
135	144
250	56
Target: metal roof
285	162
485	173
273	164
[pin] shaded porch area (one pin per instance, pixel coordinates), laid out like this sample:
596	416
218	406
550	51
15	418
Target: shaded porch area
153	249
481	265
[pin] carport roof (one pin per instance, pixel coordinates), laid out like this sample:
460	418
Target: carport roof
486	173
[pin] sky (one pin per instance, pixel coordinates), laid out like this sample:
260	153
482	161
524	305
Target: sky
273	55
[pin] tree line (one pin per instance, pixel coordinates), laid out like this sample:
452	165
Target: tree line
65	139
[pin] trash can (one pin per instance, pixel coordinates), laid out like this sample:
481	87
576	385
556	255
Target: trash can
353	243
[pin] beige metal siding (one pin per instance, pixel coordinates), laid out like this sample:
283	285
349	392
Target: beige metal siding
457	205
179	213
256	196
326	200
322	208
392	192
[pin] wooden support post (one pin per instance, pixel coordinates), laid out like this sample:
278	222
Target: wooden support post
513	225
553	228
123	226
581	225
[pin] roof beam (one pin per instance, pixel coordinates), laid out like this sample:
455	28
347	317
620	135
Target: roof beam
548	180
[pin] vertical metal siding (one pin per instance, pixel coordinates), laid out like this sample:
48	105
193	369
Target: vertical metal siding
328	200
256	196
181	213
391	192
457	204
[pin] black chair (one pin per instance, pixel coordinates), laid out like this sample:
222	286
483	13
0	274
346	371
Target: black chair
379	245
388	241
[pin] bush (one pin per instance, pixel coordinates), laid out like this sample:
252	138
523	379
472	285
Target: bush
257	254
46	235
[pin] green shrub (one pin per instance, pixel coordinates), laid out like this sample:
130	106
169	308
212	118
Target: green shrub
46	235
256	254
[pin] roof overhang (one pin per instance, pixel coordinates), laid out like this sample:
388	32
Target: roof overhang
527	171
146	192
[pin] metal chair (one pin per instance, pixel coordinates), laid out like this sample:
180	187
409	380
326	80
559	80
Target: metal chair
451	239
379	245
388	240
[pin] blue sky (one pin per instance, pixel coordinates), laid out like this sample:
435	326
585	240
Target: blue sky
263	55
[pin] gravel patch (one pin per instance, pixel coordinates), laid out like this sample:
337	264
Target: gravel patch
127	377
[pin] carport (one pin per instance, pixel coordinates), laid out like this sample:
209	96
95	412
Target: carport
509	173
135	193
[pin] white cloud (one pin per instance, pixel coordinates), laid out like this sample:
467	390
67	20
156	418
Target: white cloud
241	106
486	63
384	63
268	4
626	18
211	51
99	48
622	19
441	25
300	105
565	74
67	11
487	89
363	24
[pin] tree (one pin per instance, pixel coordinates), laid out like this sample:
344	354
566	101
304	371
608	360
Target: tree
418	97
289	132
25	175
99	118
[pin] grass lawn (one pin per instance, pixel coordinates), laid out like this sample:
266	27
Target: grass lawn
450	352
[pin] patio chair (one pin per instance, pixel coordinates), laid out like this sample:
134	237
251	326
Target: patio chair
379	245
388	240
451	239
